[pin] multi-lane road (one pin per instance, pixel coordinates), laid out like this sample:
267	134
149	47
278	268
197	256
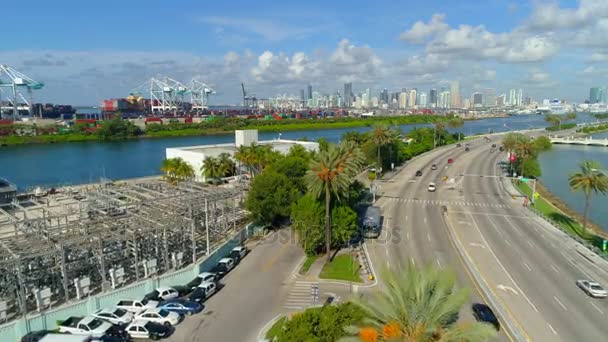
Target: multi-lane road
509	257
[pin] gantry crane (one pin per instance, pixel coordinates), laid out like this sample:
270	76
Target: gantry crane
12	83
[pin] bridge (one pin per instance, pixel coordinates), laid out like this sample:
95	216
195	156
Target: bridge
583	141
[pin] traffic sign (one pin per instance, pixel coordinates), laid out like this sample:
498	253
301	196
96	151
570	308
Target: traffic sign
604	245
524	179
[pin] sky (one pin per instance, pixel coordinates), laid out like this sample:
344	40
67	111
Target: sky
86	51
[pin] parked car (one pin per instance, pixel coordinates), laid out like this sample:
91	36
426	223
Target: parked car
147	329
162	293
483	313
238	253
418	173
35	336
224	266
434	167
432	187
136	306
115	316
450	161
89	326
182	306
201	278
161	316
592	288
203	291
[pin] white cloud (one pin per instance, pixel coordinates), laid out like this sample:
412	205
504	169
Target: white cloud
539	79
550	16
281	69
422	65
598	57
271	30
421	30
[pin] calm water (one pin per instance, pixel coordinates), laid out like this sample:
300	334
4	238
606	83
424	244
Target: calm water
74	163
558	163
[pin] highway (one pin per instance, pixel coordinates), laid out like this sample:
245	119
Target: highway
414	230
531	266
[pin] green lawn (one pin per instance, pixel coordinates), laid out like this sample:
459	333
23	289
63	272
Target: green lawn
567	223
310	259
342	267
275	329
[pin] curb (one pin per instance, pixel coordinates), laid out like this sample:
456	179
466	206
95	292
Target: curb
262	333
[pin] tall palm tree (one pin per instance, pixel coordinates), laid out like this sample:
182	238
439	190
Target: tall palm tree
419	305
331	172
226	164
211	168
176	169
524	149
381	135
590	179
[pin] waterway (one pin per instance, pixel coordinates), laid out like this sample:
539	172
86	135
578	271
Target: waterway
558	163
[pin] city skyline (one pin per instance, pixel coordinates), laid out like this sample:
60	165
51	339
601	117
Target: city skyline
545	47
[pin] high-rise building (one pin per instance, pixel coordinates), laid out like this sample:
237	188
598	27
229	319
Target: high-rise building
489	97
412	99
512	97
477	99
455	94
595	95
348	94
445	98
423	103
375	101
403	100
520	97
365	100
433	97
309	91
500	100
384	96
604	95
527	101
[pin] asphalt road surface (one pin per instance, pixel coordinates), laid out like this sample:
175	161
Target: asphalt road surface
414	230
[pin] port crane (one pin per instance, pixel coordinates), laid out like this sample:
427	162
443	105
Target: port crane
12	84
199	95
166	94
249	100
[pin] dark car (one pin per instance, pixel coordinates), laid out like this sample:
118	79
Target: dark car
501	148
458	145
198	295
434	167
418	173
182	306
236	256
466	148
35	336
493	145
483	313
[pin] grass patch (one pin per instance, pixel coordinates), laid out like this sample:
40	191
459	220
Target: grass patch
342	267
275	329
310	259
567	223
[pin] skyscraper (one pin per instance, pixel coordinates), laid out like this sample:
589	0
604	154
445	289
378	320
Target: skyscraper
412	99
477	99
455	94
512	97
423	100
489	97
348	94
402	100
433	97
302	98
384	95
309	92
520	97
595	95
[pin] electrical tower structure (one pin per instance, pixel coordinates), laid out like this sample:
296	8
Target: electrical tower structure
199	96
12	86
166	94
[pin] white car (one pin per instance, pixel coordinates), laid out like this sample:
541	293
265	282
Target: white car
225	265
114	316
432	187
592	288
136	306
203	291
160	316
166	293
240	250
147	329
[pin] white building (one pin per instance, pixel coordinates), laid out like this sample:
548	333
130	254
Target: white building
195	155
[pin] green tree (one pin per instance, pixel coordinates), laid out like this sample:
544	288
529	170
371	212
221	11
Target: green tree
419	306
381	135
176	169
226	164
294	167
455	122
589	180
117	129
331	173
344	224
211	168
326	324
270	197
542	143
356	137
307	222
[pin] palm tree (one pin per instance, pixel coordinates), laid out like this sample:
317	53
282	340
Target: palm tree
553	120
381	135
211	168
439	128
419	305
590	179
331	172
524	150
226	164
176	169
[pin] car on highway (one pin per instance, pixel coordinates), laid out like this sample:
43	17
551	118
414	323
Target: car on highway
418	173
148	330
434	167
136	306
203	291
450	161
114	315
592	288
182	306
483	313
161	316
432	187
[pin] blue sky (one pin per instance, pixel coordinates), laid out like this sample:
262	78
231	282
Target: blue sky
86	51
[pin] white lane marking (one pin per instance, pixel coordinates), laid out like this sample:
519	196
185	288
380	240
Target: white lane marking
508	243
425	220
405	218
428	237
529	243
598	309
528	267
554	269
551	327
439	263
500	263
407	235
412	260
388	263
560	303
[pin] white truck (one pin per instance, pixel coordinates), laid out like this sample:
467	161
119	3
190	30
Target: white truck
88	325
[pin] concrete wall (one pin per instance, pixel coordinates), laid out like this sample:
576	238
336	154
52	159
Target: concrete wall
48	319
